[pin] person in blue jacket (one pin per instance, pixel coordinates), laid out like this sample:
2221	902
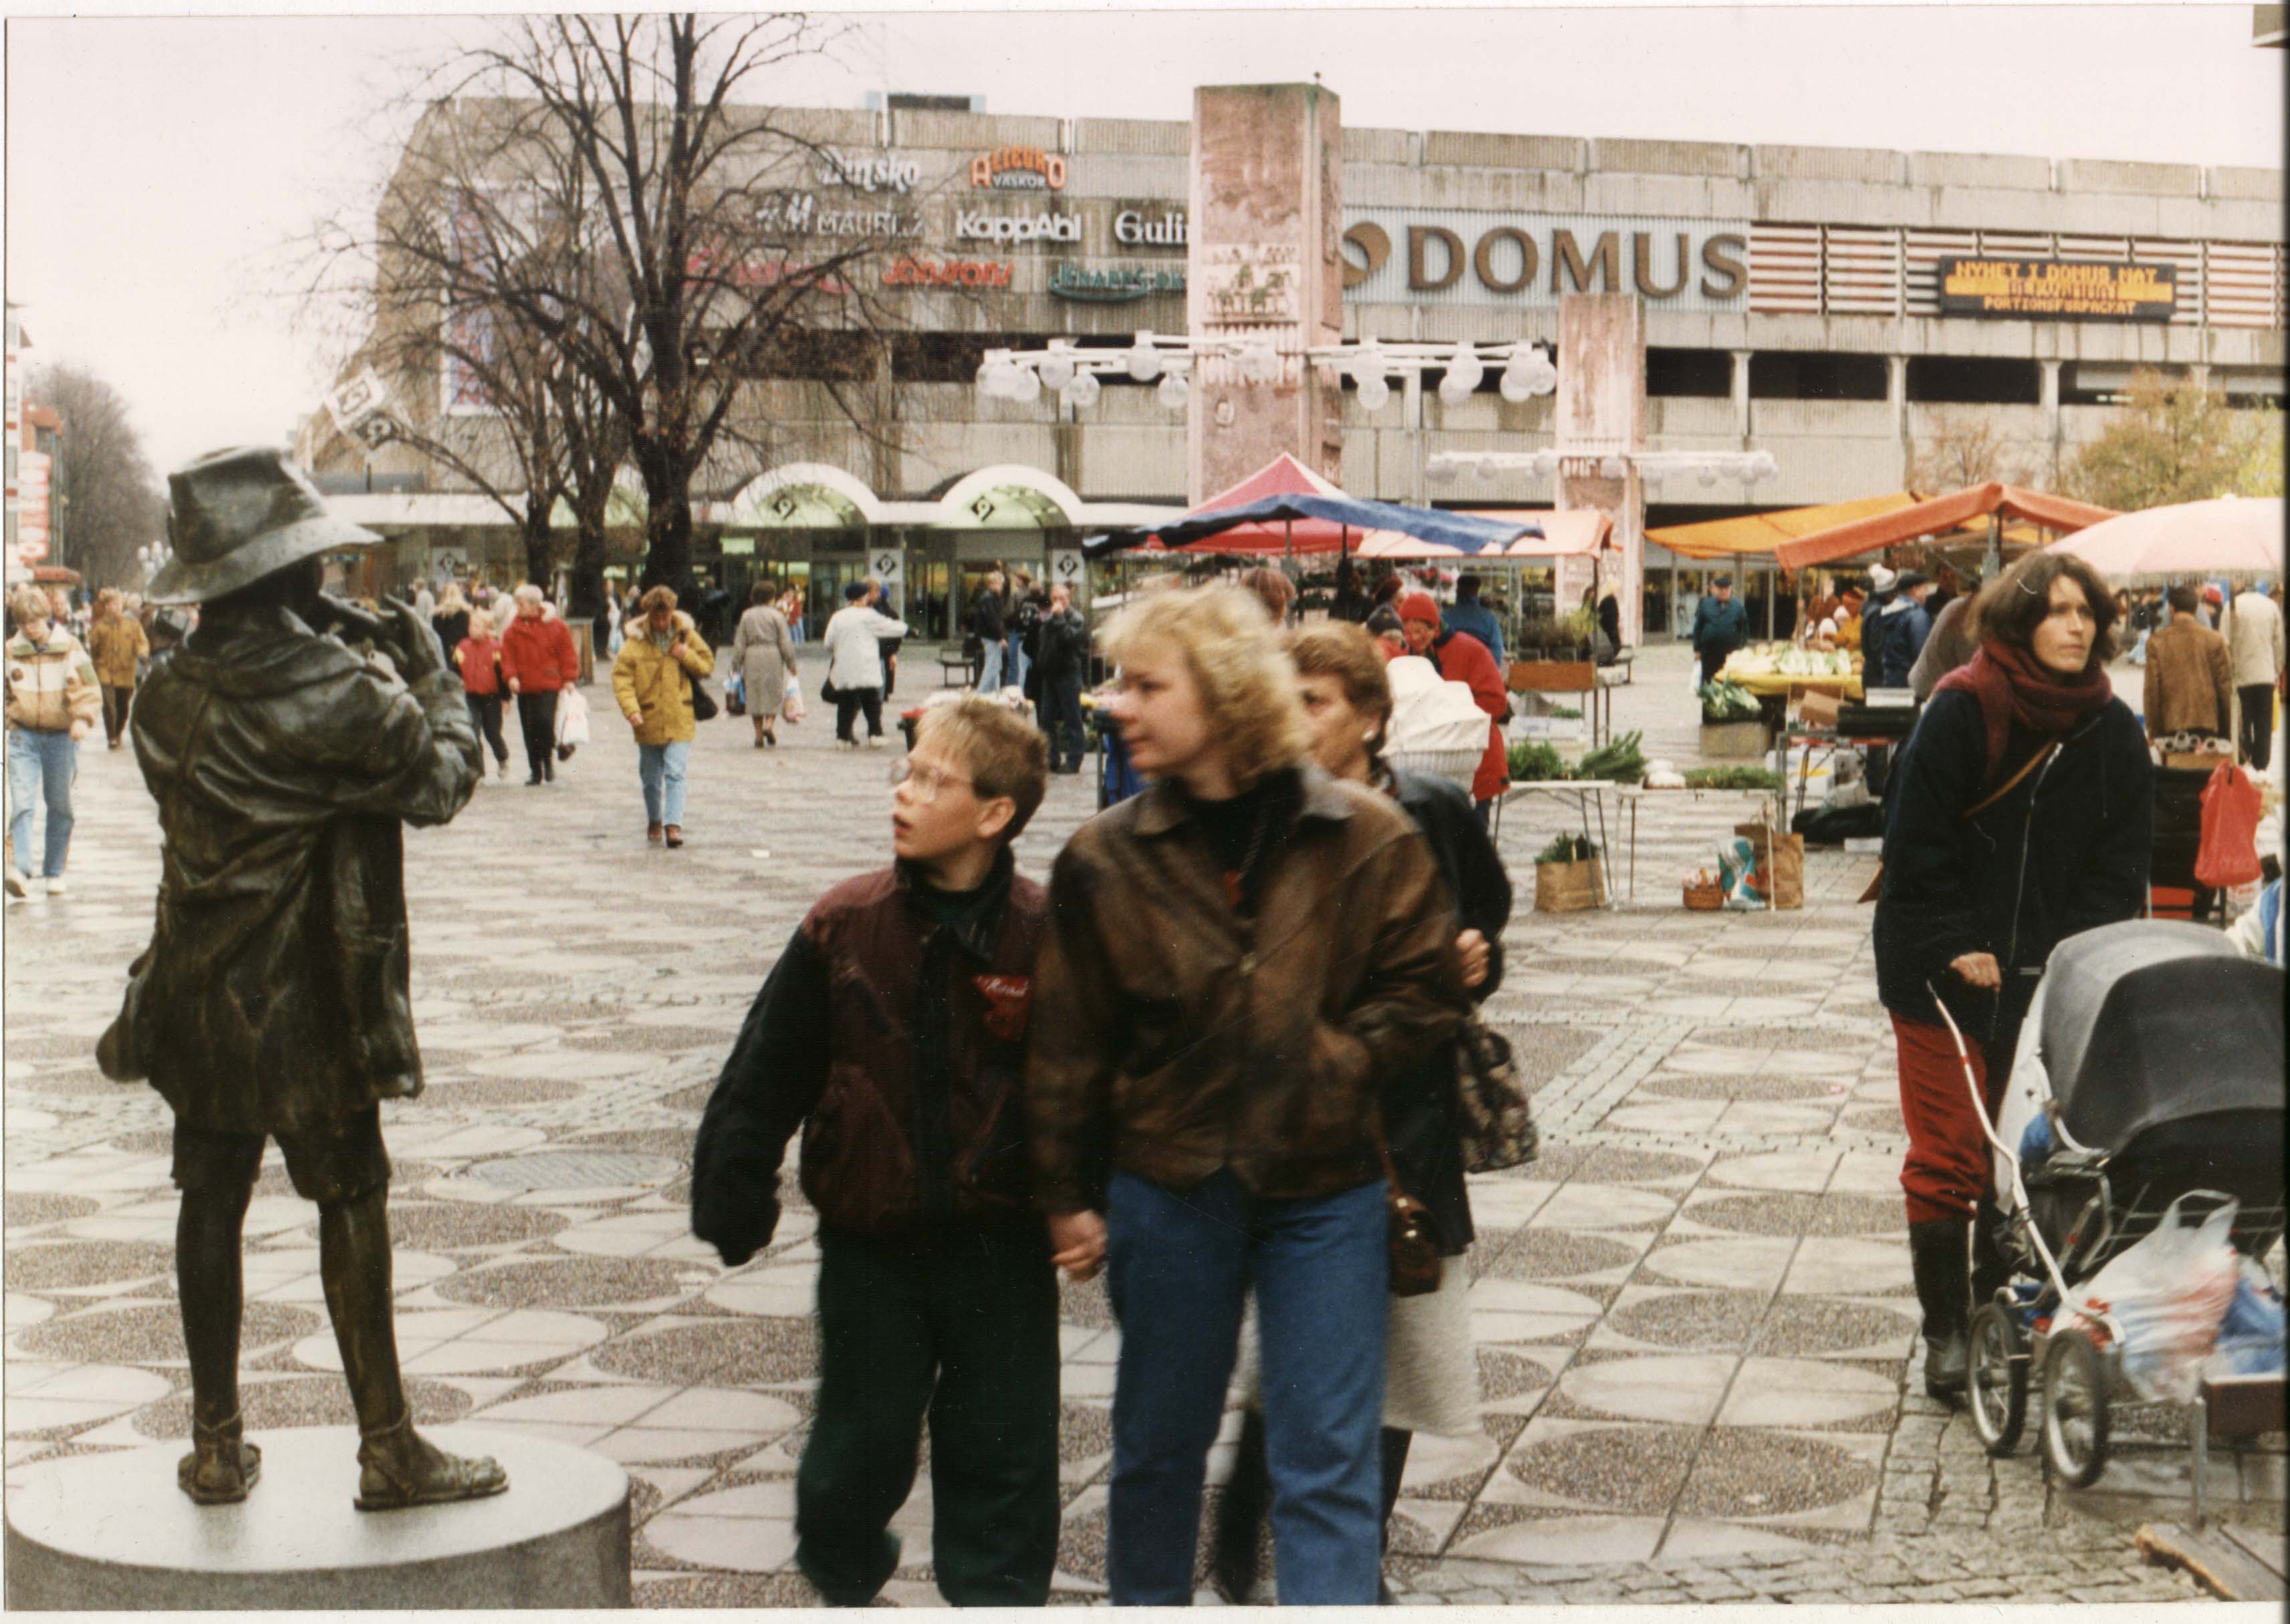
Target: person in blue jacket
1720	626
1467	613
1897	635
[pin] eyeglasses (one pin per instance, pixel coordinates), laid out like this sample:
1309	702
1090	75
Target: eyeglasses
929	783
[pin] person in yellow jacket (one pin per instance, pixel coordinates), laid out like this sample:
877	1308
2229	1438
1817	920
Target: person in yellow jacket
53	703
118	642
651	682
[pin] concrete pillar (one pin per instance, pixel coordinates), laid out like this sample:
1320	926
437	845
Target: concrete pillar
1742	395
2052	426
1262	261
1601	410
1411	415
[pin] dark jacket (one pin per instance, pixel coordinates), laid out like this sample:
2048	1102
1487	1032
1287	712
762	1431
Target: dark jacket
1423	1115
275	993
1719	626
896	1043
450	629
1900	636
1175	1036
986	615
2065	850
1026	620
1063	647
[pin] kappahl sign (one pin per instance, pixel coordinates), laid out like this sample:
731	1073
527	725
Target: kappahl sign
1019	169
985	226
1459	256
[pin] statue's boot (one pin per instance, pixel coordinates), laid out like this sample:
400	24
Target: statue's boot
399	1467
223	1465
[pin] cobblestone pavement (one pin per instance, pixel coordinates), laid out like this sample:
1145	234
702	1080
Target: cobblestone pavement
1693	1313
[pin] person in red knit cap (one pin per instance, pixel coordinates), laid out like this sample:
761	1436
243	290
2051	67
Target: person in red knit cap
1462	658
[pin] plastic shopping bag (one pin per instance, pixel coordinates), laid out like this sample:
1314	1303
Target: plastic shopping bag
572	719
1738	873
791	708
2168	1294
2228	853
2250	1336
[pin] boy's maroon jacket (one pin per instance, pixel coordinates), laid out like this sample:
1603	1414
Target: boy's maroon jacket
897	1043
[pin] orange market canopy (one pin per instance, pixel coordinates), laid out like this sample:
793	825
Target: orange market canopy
1762	532
1567	532
1934	516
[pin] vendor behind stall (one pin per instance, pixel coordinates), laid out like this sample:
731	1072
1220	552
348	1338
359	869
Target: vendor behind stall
1720	626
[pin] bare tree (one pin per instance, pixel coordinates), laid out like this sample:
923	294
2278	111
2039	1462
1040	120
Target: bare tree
110	498
1964	448
616	202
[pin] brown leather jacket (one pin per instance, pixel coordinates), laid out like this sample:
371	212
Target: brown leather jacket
1173	1037
2187	677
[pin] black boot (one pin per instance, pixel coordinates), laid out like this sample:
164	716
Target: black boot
1990	1274
1939	1252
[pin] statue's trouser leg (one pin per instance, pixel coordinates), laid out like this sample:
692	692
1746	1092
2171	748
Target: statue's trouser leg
354	1264
211	1292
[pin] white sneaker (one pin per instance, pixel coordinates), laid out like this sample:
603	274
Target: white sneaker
14	884
873	742
56	886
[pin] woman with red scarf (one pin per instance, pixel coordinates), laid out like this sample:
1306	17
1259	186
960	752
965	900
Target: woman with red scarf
2019	813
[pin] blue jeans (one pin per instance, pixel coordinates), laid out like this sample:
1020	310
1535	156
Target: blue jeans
1182	1265
1014	659
989	675
40	767
661	767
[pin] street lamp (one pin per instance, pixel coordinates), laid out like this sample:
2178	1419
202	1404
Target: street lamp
1609	462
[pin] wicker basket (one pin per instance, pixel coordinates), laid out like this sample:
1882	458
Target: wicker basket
1704	898
1458	767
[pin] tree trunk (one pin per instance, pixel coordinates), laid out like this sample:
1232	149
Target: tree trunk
587	597
668	525
538	544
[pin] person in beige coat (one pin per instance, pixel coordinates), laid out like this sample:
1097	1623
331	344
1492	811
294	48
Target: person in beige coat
651	682
2187	677
53	701
762	653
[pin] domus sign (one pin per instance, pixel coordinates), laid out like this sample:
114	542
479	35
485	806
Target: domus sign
1458	256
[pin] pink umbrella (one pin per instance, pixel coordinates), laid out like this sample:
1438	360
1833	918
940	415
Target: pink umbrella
2228	535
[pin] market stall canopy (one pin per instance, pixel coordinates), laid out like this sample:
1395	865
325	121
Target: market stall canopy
2228	535
1763	533
1264	526
1934	516
1564	533
1284	476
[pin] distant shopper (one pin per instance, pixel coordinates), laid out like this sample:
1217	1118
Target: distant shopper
2189	672
1899	633
651	682
1063	645
1027	602
53	702
887	643
539	661
989	625
1273	589
1468	614
477	657
119	648
762	653
1350	603
2255	653
1720	626
1950	644
1610	620
2021	812
855	637
451	618
893	1031
1462	658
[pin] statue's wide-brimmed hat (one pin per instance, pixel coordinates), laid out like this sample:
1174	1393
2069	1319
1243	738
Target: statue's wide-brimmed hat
234	516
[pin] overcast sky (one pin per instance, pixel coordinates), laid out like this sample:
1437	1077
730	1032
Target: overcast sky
157	170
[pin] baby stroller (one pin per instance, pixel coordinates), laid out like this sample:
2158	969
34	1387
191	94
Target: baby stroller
2147	1093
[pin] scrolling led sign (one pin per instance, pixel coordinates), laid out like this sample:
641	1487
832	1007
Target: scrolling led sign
2056	290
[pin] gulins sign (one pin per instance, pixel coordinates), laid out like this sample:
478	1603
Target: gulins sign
1459	256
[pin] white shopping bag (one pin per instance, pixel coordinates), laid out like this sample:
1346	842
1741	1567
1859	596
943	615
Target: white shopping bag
571	718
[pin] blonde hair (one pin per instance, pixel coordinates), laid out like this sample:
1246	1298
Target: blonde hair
28	604
1248	685
1006	755
656	599
451	601
481	624
1340	650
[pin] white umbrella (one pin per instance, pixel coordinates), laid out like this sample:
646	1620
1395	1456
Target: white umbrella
2228	535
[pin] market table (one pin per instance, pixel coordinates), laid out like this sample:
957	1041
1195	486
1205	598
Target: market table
1585	793
1631	795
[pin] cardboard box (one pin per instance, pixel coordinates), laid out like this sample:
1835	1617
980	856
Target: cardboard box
1816	709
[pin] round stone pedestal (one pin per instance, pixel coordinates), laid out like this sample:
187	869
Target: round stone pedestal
113	1530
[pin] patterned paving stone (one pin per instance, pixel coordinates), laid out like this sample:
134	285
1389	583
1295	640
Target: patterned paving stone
154	1335
302	1401
730	1352
444	1226
1621	1468
1771	1473
1689	1320
44	1268
584	1282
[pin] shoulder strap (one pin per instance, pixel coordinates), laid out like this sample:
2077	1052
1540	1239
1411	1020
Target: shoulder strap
2012	783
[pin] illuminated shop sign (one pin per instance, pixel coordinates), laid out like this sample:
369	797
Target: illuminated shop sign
983	226
905	272
869	171
1113	285
1459	256
799	214
1019	169
2056	290
762	273
1135	228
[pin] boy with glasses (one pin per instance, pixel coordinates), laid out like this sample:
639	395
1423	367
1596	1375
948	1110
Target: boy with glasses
893	1031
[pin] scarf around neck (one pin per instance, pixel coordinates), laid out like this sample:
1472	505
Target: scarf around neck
2012	685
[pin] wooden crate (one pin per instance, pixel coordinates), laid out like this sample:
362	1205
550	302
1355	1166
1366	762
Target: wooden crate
1554	676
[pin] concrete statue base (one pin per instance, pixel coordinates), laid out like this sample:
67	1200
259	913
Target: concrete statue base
113	1531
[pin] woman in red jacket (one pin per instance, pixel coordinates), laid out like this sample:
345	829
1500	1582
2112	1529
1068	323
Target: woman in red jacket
478	659
1462	658
537	659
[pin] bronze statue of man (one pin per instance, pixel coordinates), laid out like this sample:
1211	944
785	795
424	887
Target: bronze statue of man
286	741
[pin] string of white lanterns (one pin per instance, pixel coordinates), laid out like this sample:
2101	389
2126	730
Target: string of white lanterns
1614	462
1073	373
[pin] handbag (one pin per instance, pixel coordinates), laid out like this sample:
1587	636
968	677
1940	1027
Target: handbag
1414	1250
703	703
1498	1126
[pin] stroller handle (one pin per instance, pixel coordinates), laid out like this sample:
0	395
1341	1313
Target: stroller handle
2019	1187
